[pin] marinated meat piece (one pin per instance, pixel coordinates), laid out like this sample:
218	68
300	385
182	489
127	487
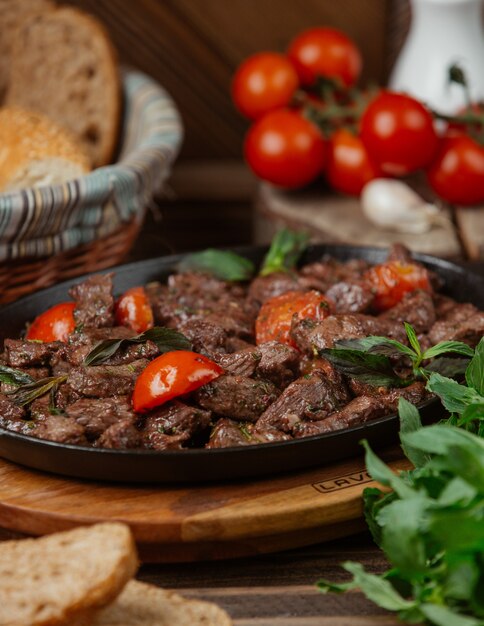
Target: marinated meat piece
9	410
94	302
96	415
40	408
242	363
264	288
206	338
416	308
443	305
121	435
233	318
81	343
359	388
173	425
278	363
238	397
463	323
414	393
21	353
350	297
321	275
228	434
400	253
311	336
359	411
235	344
311	397
102	381
60	429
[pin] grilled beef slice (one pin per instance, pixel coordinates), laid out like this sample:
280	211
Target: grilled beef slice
416	308
103	381
464	322
96	415
121	435
22	353
94	301
351	296
173	426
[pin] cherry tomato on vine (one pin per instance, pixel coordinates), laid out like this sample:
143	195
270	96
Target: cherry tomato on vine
325	52
55	324
398	132
171	375
274	320
390	281
285	149
349	167
134	310
263	82
457	173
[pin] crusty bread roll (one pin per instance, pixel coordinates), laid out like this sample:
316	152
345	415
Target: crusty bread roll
146	605
63	65
63	579
35	151
12	15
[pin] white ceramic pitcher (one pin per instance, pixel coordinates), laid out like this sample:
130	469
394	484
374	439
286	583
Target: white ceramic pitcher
442	32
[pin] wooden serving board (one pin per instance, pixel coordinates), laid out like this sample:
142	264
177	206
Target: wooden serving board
189	523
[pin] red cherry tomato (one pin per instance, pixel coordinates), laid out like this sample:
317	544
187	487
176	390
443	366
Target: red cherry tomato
349	167
398	132
170	375
263	82
457	174
285	149
392	280
55	324
134	310
274	320
325	52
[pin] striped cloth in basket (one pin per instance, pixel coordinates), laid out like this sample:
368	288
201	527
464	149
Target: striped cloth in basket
43	221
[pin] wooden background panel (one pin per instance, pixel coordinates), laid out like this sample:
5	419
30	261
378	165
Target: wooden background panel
193	46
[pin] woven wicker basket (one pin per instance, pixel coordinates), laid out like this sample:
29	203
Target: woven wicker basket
55	233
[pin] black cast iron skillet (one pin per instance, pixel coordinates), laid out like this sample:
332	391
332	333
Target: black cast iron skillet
200	465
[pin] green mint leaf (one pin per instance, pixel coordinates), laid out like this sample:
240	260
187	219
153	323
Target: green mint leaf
374	369
446	347
376	345
284	253
475	369
380	472
412	338
166	340
409	423
443	616
447	366
472	413
454	397
222	264
14	377
28	393
457	492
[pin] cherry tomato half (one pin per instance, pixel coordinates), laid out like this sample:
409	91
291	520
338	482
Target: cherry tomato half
55	324
285	149
170	375
398	132
392	280
274	320
325	52
349	167
457	174
134	310
263	82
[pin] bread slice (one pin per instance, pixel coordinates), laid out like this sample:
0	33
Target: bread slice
146	605
63	65
12	14
65	577
35	151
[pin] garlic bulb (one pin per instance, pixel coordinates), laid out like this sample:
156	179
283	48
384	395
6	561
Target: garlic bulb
391	204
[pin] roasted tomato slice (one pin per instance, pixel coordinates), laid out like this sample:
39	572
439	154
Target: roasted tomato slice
55	324
170	375
274	320
392	280
134	310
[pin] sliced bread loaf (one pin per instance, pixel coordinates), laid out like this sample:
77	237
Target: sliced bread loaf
64	578
35	151
63	65
12	15
146	605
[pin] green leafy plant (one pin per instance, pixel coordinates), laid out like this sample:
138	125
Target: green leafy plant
14	377
369	359
222	264
286	249
26	394
430	520
166	340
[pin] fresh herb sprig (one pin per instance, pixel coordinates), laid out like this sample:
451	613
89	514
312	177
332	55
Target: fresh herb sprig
222	264
431	523
286	248
369	359
26	394
14	377
166	340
